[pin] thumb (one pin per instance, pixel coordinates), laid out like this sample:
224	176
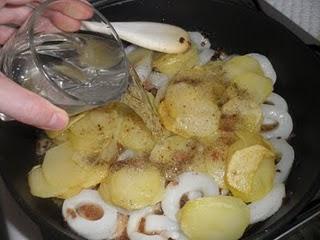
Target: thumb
28	107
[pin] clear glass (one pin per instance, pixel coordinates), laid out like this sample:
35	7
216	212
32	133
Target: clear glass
76	71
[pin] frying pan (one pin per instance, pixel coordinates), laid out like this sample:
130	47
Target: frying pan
236	30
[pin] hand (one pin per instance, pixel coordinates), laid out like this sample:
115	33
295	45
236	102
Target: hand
15	101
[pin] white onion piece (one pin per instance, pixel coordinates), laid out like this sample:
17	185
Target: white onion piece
286	161
199	40
186	182
144	67
205	56
158	80
102	228
266	66
267	206
125	155
285	125
130	49
153	223
277	101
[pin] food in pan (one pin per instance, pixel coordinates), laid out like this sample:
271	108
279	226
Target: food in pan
210	160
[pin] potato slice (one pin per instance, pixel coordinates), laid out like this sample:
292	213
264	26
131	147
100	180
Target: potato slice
60	170
250	172
134	188
187	112
246	113
221	217
211	161
259	87
170	64
39	185
239	65
70	192
89	133
134	134
173	149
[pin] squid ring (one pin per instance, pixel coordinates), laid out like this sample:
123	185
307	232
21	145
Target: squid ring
277	101
267	206
283	118
89	216
186	183
287	157
156	227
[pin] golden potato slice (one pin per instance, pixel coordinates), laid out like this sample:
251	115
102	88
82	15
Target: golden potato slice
70	192
60	170
133	188
221	217
39	185
239	65
259	87
246	113
186	112
134	134
170	64
173	149
250	172
104	190
211	161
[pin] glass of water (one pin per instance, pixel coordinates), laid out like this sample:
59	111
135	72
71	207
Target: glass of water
76	71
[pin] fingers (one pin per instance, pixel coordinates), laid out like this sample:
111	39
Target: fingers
5	33
63	22
29	108
74	8
14	15
14	2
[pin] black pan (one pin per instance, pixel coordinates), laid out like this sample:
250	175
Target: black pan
236	30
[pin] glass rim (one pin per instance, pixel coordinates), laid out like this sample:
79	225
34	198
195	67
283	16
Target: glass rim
37	12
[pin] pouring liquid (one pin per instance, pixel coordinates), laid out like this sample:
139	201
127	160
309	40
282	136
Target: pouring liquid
75	71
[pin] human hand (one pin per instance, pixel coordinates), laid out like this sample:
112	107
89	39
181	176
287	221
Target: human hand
15	101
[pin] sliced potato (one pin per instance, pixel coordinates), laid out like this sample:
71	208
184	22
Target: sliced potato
211	161
221	217
39	185
186	112
250	172
70	192
259	87
104	190
173	149
134	134
134	188
170	64
60	170
246	113
239	65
